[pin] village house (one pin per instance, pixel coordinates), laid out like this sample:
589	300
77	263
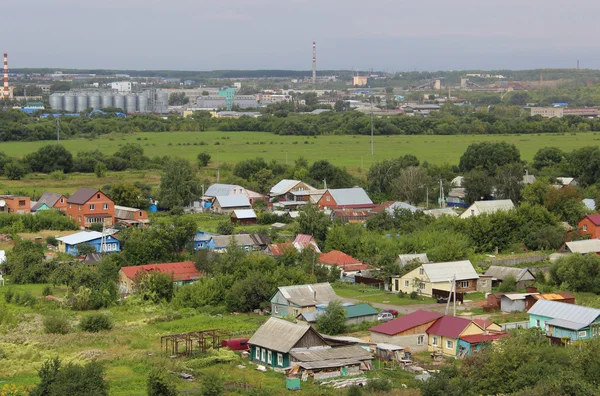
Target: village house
348	265
227	204
437	213
590	225
346	198
567	181
404	259
434	279
472	343
293	300
409	331
582	247
204	240
456	197
285	189
523	301
89	206
223	190
301	242
489	207
562	321
355	314
101	242
444	334
351	215
15	204
392	206
523	276
221	242
50	200
243	217
131	216
182	273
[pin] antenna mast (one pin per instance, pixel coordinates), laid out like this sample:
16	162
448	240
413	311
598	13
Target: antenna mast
372	144
6	91
314	70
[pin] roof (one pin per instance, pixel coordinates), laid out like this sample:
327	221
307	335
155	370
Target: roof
484	324
554	296
181	271
437	213
591	205
356	311
516	296
389	347
406	322
319	354
47	198
308	295
401	205
481	338
283	187
528	179
244	214
576	314
310	317
565	181
493	206
234	201
594	218
443	272
457	193
335	257
346	339
404	259
216	190
279	335
277	249
304	238
333	363
260	239
80	237
222	241
350	196
567	324
82	195
125	212
501	273
585	246
449	326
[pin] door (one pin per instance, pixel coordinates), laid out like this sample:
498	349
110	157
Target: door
397	285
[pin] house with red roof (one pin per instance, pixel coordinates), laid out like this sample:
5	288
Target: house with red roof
346	263
408	331
182	273
301	242
472	343
590	225
445	333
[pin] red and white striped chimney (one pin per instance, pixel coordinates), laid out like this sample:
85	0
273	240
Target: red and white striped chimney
6	93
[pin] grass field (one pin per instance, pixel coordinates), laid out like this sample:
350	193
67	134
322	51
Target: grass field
350	151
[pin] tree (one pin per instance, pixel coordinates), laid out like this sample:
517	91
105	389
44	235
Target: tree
25	263
159	384
225	228
535	193
509	284
47	374
333	320
547	157
14	170
509	182
83	249
411	184
488	156
178	184
203	159
154	286
313	222
100	169
566	203
127	194
49	159
478	186
71	379
211	385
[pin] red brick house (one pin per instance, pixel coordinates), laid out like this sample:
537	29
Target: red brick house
15	204
590	225
52	201
89	206
346	198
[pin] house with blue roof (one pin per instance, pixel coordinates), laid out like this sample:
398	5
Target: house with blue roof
561	321
204	240
107	243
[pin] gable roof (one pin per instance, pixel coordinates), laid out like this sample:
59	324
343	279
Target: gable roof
244	214
322	354
565	315
217	189
443	272
492	206
280	335
594	218
234	201
400	205
335	257
404	259
585	246
355	311
481	338
80	237
350	196
590	204
406	322
286	185
47	198
449	326
222	241
82	195
181	271
278	249
501	273
308	295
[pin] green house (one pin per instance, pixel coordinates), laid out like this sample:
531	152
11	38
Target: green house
562	321
273	341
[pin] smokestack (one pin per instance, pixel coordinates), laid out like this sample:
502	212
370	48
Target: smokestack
314	79
6	94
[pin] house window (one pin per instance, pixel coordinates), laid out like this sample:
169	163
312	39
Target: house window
70	206
263	355
62	200
71	217
92	207
421	271
98	196
434	341
276	309
295	312
464	284
537	323
105	206
79	219
257	355
269	357
406	283
421	286
78	207
484	283
420	340
582	334
585	227
22	202
280	359
141	213
449	344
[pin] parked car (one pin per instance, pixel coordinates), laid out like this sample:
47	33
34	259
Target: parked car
235	344
442	300
392	311
385	317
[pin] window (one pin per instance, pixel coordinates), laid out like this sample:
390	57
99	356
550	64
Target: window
280	359
269	357
421	286
396	284
420	340
406	283
257	355
22	202
70	206
464	284
585	227
295	312
105	206
263	355
421	271
434	341
328	198
141	213
79	219
78	207
484	283
537	323
71	217
449	344
62	200
92	206
276	309
98	196
582	334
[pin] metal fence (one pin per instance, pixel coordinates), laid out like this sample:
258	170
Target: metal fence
515	325
513	261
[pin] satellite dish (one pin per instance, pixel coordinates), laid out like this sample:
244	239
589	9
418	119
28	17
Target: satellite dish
2	203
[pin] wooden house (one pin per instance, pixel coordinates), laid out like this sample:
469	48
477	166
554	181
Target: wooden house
562	321
445	333
181	272
107	243
50	200
292	300
243	217
523	276
409	331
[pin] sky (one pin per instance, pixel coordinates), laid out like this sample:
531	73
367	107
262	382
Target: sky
384	35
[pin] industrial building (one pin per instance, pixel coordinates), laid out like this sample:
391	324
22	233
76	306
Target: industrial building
77	101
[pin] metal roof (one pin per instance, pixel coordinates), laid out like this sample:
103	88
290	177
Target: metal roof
449	326
517	296
443	272
308	295
437	213
355	311
520	274
222	241
47	198
80	237
594	218
406	322
567	324
492	206
404	259
234	201
318	354
216	190
181	271
583	247
244	214
350	196
283	187
576	314
328	364
401	205
279	335
389	347
82	195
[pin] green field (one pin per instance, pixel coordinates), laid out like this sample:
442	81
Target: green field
350	151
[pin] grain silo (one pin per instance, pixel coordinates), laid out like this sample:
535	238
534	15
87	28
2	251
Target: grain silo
94	100
56	101
119	101
143	103
131	103
81	101
106	100
162	102
69	102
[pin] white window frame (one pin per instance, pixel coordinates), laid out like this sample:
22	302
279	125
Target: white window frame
263	355
421	286
275	308
92	206
582	333
105	206
257	353
280	359
269	357
585	227
464	284
421	271
406	283
434	341
420	340
449	344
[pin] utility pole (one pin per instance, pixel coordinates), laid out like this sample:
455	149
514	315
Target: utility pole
57	131
372	144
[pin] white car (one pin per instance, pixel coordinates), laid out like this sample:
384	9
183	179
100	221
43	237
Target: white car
385	317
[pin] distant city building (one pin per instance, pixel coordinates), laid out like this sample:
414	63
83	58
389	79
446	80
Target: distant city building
360	81
121	86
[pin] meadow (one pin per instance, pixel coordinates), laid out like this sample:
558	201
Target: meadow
350	151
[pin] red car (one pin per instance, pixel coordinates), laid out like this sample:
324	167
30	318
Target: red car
392	311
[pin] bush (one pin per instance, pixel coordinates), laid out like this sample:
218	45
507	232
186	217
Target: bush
47	291
414	294
355	390
8	295
509	284
211	385
56	325
95	323
58	175
225	228
158	384
51	241
26	299
379	385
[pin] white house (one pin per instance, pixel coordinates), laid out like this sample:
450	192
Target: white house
489	207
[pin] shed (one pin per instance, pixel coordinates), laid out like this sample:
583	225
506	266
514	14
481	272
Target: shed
389	352
582	247
243	217
524	276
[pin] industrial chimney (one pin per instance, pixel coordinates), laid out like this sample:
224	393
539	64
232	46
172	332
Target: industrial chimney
314	76
6	93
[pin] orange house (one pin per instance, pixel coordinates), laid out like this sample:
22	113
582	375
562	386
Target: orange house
52	201
89	206
590	225
130	216
15	204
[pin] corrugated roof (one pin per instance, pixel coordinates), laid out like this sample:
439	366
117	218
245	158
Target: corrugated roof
234	201
222	241
492	206
80	237
449	326
594	218
481	338
335	257
283	187
567	324
443	272
244	214
516	296
404	259
277	249
437	213
565	181
350	196
406	322
569	312
181	271
401	205
583	247
216	190
355	311
322	364
47	198
554	296
308	295
125	212
82	195
520	274
590	204
319	354
280	335
304	238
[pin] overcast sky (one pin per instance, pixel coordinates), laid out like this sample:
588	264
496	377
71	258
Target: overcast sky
387	35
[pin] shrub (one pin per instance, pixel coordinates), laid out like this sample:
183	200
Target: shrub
414	294
96	322
354	390
56	325
26	299
379	385
8	295
47	291
58	175
51	241
211	385
158	384
509	284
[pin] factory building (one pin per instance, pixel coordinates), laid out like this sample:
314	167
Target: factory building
79	101
121	86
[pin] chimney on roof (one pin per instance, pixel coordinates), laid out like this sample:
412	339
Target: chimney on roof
315	295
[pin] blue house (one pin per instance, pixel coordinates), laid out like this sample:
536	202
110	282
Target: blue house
204	240
562	321
68	244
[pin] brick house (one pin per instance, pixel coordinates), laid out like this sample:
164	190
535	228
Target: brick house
15	204
590	225
50	200
349	198
89	206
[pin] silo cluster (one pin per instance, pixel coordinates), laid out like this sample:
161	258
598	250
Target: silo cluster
79	101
